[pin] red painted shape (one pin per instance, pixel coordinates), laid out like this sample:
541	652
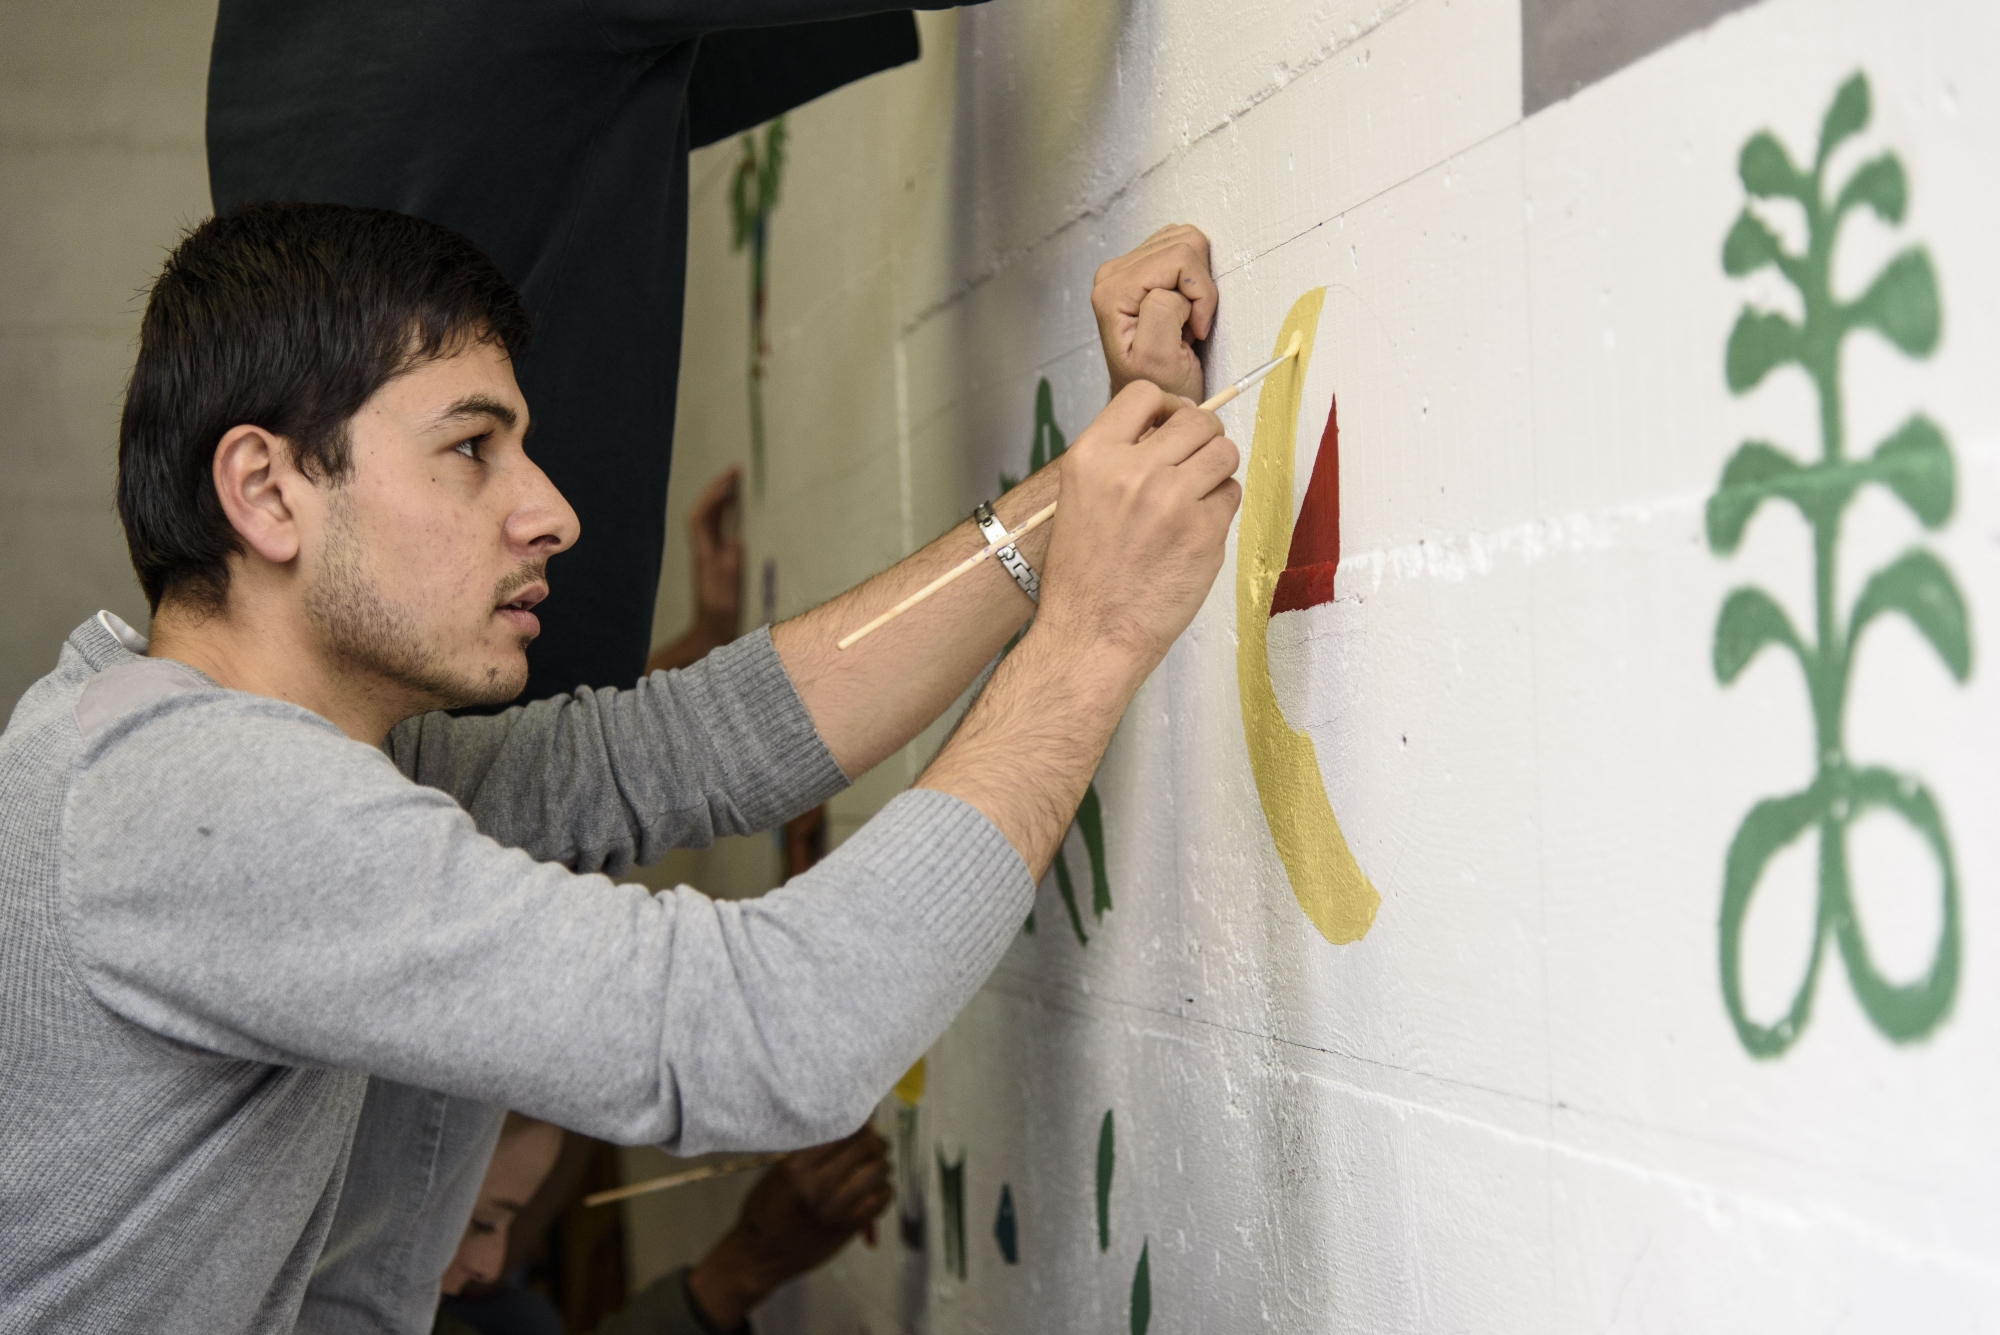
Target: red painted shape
1315	549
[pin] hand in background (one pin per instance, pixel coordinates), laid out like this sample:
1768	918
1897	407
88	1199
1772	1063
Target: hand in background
802	1211
1153	305
718	576
718	557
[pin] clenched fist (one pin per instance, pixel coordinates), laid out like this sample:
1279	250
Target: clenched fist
1152	307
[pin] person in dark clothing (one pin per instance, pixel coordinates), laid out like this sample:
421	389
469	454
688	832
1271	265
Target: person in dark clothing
556	137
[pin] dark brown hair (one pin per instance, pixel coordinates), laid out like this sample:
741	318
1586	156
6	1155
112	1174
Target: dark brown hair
286	317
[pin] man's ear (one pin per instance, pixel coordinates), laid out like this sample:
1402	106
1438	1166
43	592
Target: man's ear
258	484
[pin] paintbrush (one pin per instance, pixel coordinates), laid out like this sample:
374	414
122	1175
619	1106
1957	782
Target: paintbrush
681	1179
1042	516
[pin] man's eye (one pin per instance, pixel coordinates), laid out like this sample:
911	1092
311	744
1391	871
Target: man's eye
470	448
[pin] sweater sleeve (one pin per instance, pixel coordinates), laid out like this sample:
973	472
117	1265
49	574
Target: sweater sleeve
240	877
604	780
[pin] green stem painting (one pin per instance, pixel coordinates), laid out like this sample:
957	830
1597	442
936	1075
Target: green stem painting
1142	1290
1048	444
753	194
1107	1158
951	1199
1914	463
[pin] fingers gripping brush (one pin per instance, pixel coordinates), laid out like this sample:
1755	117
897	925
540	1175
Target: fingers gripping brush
1043	515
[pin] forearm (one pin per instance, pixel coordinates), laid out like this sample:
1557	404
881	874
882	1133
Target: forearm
869	700
663	1308
1027	749
731	1281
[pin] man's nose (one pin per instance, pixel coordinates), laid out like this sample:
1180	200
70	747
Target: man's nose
542	522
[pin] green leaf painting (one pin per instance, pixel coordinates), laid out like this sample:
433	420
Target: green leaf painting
1107	1157
951	1196
753	194
1142	1290
1915	465
1048	443
1006	1230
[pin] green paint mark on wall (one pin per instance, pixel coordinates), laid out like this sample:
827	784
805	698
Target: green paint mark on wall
1005	1230
1067	890
753	194
951	1196
1915	464
1106	1157
1047	445
1142	1291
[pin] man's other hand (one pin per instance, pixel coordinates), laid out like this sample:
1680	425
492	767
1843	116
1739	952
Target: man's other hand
1153	305
802	1211
714	534
718	557
1147	496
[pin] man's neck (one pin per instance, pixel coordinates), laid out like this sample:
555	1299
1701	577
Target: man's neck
264	651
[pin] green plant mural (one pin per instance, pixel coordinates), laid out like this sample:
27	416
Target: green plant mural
1048	444
1107	1158
1142	1290
1915	464
753	194
1006	1230
951	1195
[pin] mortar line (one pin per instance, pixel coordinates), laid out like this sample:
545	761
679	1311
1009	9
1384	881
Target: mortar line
1007	259
1582	1112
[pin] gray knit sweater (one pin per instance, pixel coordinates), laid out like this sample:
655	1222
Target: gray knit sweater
219	916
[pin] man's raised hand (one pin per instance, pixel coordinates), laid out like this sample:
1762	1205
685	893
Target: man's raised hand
1153	305
1147	496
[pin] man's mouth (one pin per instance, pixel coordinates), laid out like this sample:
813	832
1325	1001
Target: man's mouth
519	609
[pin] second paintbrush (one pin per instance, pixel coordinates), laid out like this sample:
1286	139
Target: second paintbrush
1043	515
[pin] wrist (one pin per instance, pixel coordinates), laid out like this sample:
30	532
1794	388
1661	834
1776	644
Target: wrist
1087	666
1018	506
727	1284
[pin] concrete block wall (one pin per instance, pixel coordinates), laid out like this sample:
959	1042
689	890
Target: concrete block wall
1522	1101
102	166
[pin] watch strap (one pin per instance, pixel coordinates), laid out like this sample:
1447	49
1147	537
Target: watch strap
1009	556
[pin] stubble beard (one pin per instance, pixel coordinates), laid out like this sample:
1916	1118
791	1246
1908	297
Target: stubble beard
369	636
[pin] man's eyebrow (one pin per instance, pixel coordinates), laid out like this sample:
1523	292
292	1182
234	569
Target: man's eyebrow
475	405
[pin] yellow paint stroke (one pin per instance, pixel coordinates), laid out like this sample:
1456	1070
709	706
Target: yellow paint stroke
910	1089
1329	884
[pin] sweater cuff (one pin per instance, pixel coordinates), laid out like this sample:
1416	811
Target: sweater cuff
953	872
780	761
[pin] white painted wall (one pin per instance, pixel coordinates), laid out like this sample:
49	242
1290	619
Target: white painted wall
1518	1104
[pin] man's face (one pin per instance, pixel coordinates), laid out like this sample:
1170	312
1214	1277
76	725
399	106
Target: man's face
433	549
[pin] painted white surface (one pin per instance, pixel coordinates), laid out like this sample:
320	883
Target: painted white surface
1518	1103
